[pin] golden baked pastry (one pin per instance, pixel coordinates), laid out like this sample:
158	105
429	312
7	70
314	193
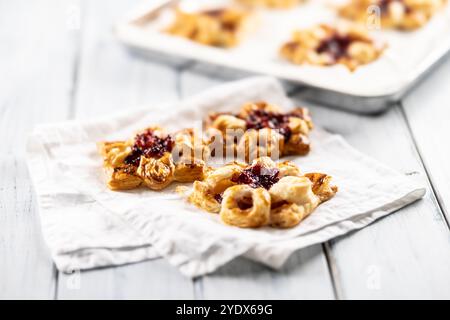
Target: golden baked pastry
207	194
325	45
264	193
245	207
259	129
223	27
397	14
272	3
154	159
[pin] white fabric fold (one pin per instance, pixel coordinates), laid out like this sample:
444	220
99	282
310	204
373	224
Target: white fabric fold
86	225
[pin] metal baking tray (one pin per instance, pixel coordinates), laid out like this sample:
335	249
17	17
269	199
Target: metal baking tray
370	89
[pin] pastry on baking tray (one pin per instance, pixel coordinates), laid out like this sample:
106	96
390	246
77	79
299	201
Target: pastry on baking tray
223	27
154	158
399	14
259	129
325	45
264	193
272	3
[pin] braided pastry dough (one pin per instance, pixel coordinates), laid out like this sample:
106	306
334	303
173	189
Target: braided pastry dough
224	122
154	159
157	173
207	194
321	185
122	178
287	168
264	193
292	200
259	129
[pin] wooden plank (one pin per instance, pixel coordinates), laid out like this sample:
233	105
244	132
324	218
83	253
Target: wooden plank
427	111
154	279
38	53
38	50
26	269
407	254
305	275
111	80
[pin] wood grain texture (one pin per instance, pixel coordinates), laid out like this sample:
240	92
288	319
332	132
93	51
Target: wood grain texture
407	254
37	53
427	109
110	80
305	275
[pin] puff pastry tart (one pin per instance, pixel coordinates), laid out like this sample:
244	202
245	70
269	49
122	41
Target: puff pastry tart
325	45
154	159
259	129
223	27
272	3
398	14
261	194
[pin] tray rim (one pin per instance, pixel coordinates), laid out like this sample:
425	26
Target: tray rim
131	23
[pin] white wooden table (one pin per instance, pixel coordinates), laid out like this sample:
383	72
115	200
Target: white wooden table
59	60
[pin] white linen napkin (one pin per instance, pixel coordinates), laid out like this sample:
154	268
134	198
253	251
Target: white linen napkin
86	225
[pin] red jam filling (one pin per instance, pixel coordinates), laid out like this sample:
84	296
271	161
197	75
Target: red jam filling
149	145
258	119
257	176
219	197
335	45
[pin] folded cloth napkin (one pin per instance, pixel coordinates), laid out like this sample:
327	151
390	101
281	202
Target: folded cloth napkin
86	225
